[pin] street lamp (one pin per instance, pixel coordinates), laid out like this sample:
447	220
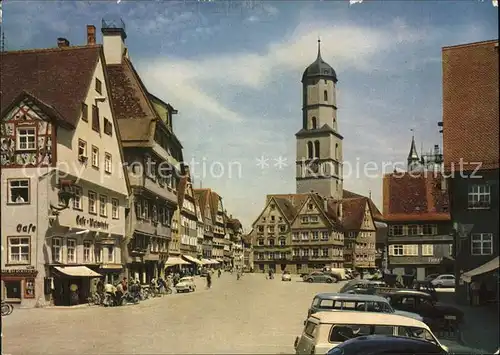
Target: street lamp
65	195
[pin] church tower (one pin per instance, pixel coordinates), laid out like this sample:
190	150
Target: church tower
413	161
319	145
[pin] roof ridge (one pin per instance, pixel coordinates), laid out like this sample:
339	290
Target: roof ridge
472	44
52	49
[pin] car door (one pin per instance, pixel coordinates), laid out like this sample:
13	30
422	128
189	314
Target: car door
308	339
450	281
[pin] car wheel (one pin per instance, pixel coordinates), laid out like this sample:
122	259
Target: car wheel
329	281
310	280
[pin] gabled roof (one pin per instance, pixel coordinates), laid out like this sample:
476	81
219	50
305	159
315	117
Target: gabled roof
214	203
470	104
353	210
203	196
50	111
59	77
130	102
413	197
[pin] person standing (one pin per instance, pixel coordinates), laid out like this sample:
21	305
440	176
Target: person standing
475	288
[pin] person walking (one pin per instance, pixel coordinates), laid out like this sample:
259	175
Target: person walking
219	273
209	281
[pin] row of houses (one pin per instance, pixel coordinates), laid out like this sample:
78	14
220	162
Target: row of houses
439	216
93	180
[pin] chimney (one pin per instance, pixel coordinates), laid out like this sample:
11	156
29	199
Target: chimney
113	40
90	35
62	42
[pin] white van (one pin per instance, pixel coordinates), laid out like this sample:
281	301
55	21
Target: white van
325	330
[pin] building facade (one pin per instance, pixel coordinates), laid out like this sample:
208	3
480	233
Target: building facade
471	158
203	198
65	193
219	227
151	154
416	212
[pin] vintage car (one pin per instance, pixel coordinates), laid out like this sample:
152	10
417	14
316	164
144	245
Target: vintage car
370	287
385	344
444	281
326	330
424	304
320	276
286	276
350	302
186	284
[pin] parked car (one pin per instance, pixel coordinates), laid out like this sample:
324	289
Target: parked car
325	330
186	284
286	276
350	302
320	276
431	277
386	344
444	281
423	304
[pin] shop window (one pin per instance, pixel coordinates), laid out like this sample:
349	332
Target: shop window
13	289
29	288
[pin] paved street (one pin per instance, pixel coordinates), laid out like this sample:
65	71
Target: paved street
252	315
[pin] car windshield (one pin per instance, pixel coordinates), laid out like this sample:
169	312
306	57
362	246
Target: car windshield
417	333
342	332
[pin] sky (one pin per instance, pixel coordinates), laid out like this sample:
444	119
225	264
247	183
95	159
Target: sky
233	68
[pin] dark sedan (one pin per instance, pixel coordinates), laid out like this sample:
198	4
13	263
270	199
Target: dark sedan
423	303
386	344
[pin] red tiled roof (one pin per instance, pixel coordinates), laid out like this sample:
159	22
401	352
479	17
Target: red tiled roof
377	215
60	77
470	105
353	210
414	196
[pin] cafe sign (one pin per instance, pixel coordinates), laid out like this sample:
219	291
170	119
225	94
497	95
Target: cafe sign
82	221
25	228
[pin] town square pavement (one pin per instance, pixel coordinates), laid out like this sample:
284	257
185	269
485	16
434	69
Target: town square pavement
248	316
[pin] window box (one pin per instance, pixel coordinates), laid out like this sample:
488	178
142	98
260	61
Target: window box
18	191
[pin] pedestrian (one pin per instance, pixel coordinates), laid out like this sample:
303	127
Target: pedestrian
219	273
475	288
124	284
209	280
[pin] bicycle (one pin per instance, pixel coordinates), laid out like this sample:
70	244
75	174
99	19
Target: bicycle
95	299
7	309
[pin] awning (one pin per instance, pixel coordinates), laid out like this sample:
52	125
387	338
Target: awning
487	267
212	261
192	259
173	260
206	261
77	271
380	224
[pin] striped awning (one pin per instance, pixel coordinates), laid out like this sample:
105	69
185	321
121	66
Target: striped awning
173	260
192	259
